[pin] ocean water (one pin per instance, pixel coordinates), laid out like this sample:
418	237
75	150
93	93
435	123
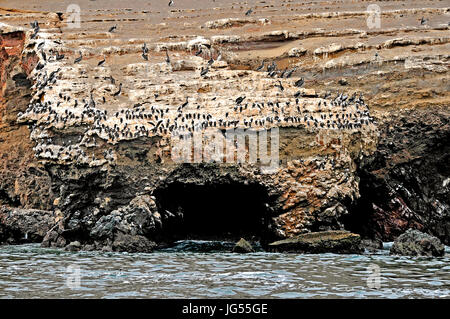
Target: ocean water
29	271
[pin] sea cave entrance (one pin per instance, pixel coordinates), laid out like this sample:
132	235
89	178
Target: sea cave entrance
213	211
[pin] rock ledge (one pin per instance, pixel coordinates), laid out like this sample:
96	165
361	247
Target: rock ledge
333	241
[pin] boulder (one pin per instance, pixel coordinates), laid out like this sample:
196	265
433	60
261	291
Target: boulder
73	246
372	245
416	243
332	241
133	244
243	246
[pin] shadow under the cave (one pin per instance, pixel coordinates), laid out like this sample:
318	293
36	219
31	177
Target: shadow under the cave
214	211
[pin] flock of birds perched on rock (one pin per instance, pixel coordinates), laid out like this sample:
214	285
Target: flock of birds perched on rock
343	112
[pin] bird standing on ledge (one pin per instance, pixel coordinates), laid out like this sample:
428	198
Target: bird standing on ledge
113	28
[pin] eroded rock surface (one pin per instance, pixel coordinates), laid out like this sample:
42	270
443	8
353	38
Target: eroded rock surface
243	247
416	243
24	225
337	241
362	139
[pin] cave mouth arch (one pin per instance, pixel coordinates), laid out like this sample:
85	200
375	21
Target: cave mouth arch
213	211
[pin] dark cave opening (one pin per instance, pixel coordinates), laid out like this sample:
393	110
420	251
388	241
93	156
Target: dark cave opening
360	219
214	211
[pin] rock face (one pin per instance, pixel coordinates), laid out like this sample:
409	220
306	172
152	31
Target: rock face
24	181
416	243
125	229
339	242
243	246
405	184
24	225
73	246
113	149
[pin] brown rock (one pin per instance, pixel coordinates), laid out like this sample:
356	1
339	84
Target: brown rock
334	241
243	246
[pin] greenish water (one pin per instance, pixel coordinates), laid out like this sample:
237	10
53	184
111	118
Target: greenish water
29	271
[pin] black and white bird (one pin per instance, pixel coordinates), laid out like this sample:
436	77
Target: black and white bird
35	26
249	11
77	60
167	57
120	90
280	86
259	68
145	48
59	56
423	21
185	103
113	28
101	62
289	73
299	83
145	52
240	99
204	71
171	3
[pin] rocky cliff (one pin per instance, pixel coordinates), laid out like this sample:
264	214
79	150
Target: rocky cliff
360	139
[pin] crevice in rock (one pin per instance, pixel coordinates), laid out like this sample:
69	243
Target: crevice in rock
5	199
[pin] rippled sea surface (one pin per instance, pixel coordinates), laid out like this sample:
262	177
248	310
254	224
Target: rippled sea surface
29	271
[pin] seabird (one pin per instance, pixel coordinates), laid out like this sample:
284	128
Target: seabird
114	27
39	66
78	59
101	62
145	48
59	56
120	90
248	12
259	68
185	103
299	83
204	71
272	67
34	24
289	73
167	57
240	99
280	86
170	3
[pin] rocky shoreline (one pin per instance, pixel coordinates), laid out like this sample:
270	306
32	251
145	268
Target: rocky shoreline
84	163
